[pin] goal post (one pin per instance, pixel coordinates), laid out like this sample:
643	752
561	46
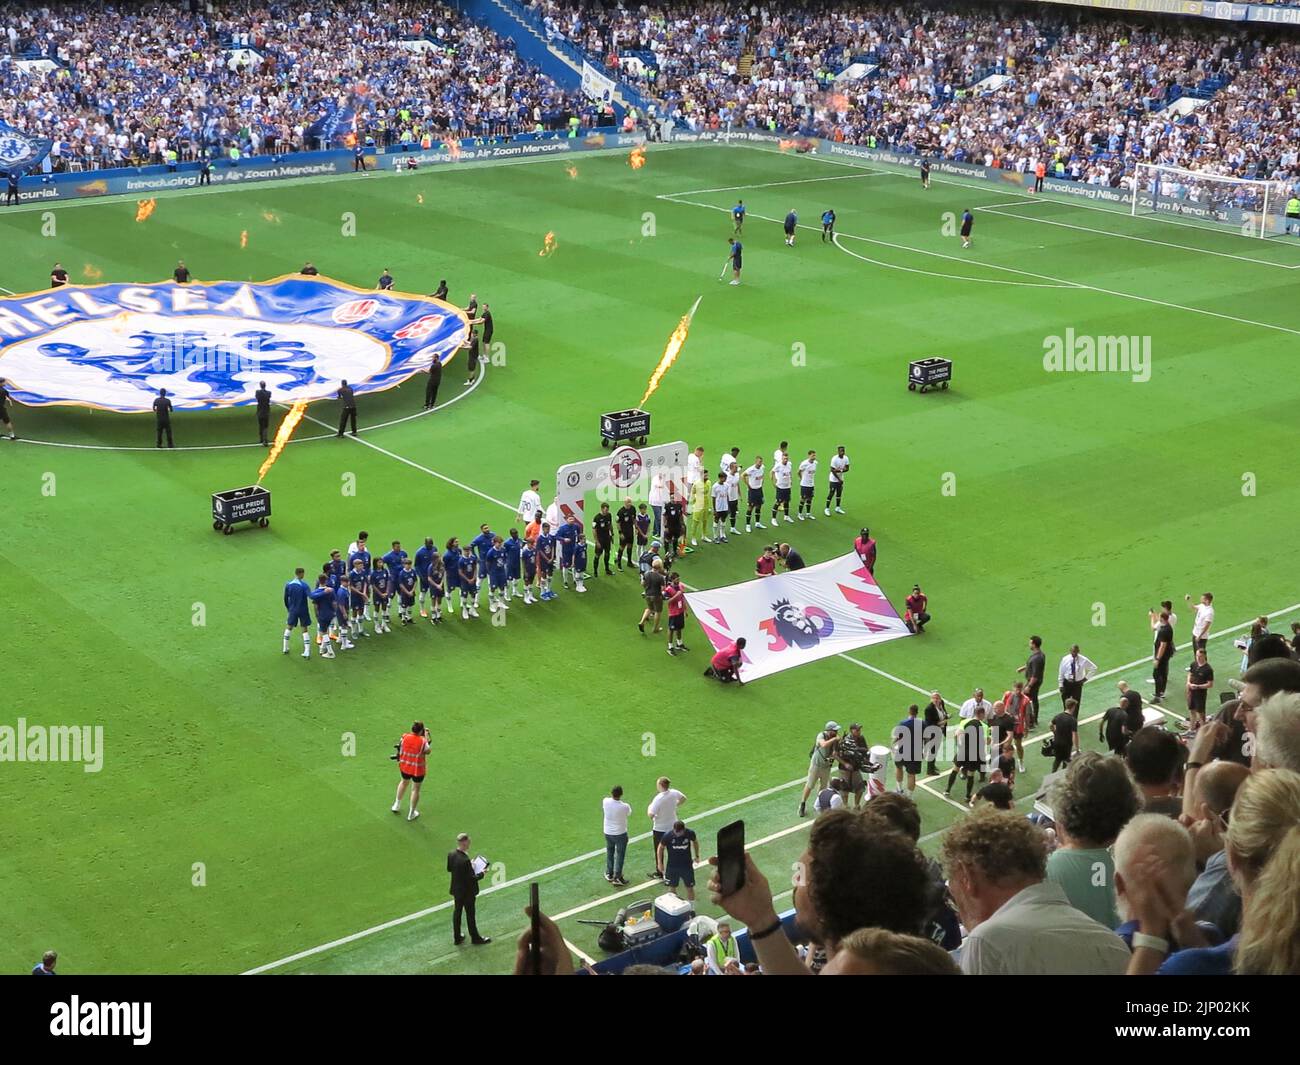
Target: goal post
1249	206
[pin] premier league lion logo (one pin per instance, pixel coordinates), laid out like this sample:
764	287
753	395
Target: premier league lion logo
114	346
800	627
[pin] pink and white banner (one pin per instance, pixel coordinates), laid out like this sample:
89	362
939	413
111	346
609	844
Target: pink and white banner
789	619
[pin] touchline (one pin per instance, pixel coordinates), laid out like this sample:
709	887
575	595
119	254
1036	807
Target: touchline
102	1018
53	743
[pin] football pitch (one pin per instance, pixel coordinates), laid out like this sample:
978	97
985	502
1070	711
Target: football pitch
241	820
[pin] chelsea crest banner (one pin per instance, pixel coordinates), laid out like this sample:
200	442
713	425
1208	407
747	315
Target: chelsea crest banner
791	618
210	343
19	152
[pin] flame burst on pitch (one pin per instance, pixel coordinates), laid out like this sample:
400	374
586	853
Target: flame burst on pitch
91	272
636	157
453	147
243	238
282	436
548	245
144	208
419	197
571	170
671	351
271	216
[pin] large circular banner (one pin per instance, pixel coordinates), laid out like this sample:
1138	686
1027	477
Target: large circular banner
210	343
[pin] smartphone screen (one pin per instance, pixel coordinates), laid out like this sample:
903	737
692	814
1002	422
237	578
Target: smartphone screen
731	857
535	940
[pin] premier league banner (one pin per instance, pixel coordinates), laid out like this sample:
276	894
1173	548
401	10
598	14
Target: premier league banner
19	152
792	618
210	343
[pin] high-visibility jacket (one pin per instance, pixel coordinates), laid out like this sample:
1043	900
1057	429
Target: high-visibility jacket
411	757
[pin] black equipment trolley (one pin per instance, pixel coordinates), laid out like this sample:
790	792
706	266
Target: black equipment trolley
925	374
630	425
251	504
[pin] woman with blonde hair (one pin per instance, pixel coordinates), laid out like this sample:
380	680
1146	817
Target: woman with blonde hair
1263	849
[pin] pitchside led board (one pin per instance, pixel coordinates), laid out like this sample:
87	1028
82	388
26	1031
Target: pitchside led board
209	343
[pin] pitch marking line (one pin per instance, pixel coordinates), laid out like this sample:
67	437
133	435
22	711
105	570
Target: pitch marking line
1059	281
1050	198
235	447
774	184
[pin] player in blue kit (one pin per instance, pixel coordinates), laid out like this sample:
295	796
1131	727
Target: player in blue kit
437	587
393	560
322	598
481	545
451	564
381	588
334	570
791	224
494	563
341	597
735	256
514	549
580	561
528	560
359	550
423	555
545	561
828	225
296	593
405	581
359	596
467	569
567	536
738	218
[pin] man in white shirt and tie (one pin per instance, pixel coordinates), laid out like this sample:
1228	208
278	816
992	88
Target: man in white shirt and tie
529	503
1075	671
976	702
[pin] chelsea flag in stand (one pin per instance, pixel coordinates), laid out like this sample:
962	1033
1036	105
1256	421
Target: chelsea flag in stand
19	152
791	618
210	343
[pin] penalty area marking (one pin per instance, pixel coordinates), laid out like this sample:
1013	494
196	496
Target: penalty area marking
482	372
939	274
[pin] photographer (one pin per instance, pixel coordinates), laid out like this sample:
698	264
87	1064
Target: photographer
855	760
412	752
822	758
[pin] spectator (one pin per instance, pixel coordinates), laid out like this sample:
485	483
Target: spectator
1155	846
720	948
997	794
1092	801
1018	922
845	851
1213	897
1277	732
45	967
875	952
1155	758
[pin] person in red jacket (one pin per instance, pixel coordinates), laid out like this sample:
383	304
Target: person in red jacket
916	616
412	753
725	665
865	546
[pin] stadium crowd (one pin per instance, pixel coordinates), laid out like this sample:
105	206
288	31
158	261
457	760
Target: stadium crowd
133	83
1084	92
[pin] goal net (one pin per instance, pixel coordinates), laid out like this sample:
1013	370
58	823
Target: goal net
1249	206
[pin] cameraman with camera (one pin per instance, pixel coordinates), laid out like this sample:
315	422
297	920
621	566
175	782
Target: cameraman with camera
412	752
821	759
855	760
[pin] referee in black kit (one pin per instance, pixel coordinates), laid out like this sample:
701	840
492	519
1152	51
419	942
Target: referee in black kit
263	397
349	411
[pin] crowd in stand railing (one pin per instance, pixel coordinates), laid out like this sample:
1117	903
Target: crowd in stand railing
1086	91
136	82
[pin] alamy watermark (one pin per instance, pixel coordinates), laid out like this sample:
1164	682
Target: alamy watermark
53	743
1076	353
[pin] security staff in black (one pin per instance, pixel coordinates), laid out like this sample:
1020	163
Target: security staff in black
488	325
263	397
431	386
349	411
11	192
205	171
162	410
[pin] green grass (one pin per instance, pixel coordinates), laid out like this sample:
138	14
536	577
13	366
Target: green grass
1072	492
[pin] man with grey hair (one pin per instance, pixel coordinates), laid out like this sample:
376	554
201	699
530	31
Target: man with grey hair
1277	733
1152	839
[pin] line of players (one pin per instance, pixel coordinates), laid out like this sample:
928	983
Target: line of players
725	492
366	588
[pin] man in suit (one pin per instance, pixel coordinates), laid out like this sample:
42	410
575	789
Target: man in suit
263	397
464	890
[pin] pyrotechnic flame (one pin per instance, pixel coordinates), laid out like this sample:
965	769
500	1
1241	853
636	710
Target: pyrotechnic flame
282	435
453	147
270	216
144	208
243	239
636	157
786	146
419	197
572	171
548	244
91	272
671	351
